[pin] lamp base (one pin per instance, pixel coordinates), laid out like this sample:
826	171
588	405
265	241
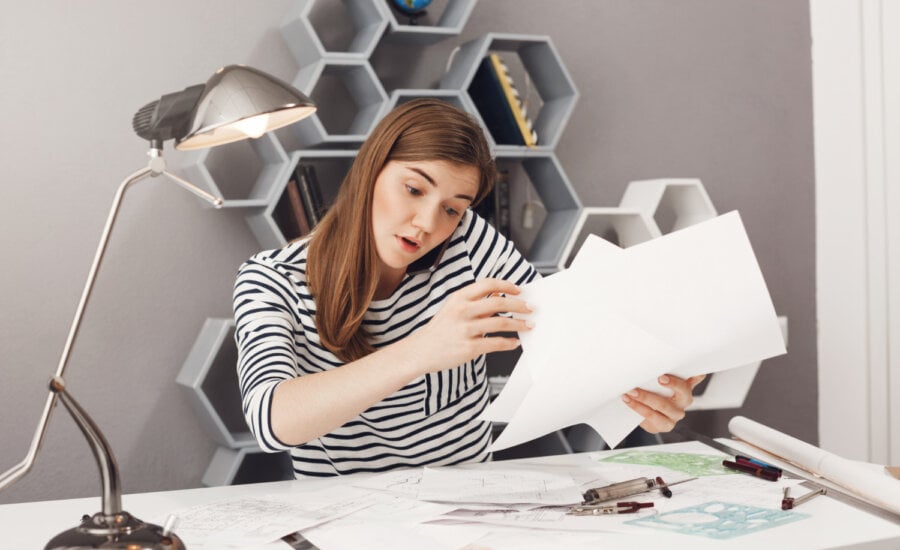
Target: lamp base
120	531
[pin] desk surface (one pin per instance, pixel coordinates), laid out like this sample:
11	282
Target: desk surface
831	523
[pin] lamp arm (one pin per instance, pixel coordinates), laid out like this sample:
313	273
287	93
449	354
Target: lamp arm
109	472
155	167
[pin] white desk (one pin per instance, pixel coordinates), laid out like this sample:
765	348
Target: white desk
832	524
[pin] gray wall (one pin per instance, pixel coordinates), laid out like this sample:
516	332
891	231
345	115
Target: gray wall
719	90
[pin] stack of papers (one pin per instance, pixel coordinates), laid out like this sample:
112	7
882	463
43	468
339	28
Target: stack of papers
691	302
514	505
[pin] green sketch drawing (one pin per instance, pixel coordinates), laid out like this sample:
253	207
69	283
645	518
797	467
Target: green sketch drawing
719	520
689	463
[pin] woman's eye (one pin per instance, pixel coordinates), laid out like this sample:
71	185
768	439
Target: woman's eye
412	190
451	211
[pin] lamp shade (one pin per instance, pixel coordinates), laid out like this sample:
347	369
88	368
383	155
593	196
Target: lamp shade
239	102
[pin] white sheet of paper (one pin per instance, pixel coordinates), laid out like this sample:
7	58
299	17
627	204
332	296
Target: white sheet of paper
259	520
498	486
373	536
691	302
391	522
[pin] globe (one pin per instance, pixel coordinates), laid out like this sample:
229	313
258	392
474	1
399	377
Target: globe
411	7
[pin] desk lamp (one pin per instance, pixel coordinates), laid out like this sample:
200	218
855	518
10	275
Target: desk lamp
235	103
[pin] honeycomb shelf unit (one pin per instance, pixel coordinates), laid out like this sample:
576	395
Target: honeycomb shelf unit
648	209
440	22
558	197
337	71
246	465
454	97
241	173
368	21
544	68
330	164
672	203
622	226
209	377
728	389
350	83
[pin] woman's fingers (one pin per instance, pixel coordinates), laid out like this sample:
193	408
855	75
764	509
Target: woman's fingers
654	421
694	380
498	304
682	389
493	344
660	412
486	287
489	325
457	331
660	403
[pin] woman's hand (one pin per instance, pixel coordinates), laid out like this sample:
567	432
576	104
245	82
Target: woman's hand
660	412
458	331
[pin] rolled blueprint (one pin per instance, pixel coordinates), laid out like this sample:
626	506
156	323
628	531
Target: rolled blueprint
858	478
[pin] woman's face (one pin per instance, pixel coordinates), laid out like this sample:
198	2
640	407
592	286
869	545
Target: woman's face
416	205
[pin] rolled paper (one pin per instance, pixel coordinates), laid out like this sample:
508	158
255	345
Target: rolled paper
858	478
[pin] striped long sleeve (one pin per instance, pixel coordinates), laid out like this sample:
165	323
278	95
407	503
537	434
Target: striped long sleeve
430	421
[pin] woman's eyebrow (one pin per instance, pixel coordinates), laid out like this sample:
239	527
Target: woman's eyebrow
430	180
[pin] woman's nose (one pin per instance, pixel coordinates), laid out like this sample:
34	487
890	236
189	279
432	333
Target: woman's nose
426	219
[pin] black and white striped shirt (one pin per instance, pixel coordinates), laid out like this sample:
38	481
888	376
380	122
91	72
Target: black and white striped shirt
432	420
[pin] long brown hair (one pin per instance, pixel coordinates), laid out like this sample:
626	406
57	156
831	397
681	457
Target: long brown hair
342	265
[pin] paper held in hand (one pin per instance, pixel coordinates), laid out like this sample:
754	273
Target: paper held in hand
691	302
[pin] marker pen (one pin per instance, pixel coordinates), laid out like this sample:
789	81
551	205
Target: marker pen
753	462
763	473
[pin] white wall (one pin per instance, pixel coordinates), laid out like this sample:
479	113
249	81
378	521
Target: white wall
856	75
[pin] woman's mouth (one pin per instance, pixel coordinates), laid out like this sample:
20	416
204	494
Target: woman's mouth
408	245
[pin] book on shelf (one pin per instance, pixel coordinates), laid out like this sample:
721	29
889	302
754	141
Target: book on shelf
494	208
289	214
316	189
486	209
497	99
310	193
502	217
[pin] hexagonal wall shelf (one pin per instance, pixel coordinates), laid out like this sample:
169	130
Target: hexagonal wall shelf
728	389
247	465
621	226
356	41
350	98
438	23
672	203
242	173
331	166
559	199
209	375
545	70
454	97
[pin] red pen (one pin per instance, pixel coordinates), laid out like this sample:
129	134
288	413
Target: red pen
768	475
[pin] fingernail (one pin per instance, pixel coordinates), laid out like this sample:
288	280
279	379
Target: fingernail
529	324
529	307
626	399
633	393
664	379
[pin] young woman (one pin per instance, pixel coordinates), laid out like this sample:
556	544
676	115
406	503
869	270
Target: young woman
362	347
